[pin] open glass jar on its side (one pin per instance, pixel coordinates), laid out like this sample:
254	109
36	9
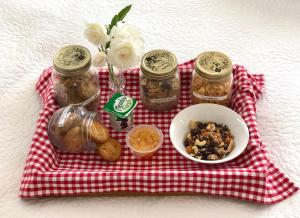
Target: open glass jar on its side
74	129
159	80
212	79
75	80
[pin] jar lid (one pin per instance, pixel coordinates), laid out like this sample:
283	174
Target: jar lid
213	65
72	59
159	64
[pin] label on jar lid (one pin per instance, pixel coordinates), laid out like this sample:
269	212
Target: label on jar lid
213	65
120	105
159	64
71	59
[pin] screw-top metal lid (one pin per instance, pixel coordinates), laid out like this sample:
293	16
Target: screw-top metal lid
159	64
213	65
72	59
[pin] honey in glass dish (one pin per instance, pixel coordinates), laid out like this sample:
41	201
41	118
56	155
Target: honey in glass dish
144	140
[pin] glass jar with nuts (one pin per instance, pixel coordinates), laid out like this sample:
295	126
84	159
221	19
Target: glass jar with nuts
74	129
212	79
159	80
75	81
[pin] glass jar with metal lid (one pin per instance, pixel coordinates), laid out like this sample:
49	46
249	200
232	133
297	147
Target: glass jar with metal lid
159	80
212	79
75	80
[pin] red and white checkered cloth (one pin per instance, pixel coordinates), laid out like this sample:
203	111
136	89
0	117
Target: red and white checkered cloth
251	176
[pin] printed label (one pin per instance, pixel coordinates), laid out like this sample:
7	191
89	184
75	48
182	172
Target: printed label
123	104
163	100
211	98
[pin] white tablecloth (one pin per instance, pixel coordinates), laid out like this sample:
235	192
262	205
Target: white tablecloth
262	35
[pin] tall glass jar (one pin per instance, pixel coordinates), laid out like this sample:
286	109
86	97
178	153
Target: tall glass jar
75	80
159	80
212	79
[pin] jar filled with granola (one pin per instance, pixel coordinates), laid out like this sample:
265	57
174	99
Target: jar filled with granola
212	79
75	80
159	80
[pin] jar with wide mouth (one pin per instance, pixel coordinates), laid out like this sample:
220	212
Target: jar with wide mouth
75	80
159	80
74	129
212	79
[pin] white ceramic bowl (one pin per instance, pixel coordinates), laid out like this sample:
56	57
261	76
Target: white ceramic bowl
209	112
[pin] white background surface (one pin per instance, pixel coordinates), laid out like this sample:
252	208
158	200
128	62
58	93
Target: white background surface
262	35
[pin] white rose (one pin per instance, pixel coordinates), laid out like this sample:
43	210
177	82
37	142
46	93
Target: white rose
122	55
126	47
96	34
99	59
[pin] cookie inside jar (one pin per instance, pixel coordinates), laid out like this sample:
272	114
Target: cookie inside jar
74	129
212	79
159	80
75	80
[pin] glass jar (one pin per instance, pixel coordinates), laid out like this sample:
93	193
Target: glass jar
75	80
159	80
212	79
74	129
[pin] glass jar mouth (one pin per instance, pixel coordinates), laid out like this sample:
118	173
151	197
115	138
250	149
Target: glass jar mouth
72	73
212	79
159	77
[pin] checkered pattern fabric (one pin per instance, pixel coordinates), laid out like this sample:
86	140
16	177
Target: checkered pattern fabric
251	176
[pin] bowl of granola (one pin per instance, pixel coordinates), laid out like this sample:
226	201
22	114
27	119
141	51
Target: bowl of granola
209	133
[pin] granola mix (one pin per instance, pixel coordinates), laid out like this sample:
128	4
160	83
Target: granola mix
159	80
212	79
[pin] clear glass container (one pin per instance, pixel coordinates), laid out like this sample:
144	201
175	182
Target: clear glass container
144	140
75	80
74	129
160	85
212	79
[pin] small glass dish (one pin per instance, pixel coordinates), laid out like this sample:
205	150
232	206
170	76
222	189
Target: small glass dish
144	140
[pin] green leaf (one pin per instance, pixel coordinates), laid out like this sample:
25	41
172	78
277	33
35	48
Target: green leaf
107	45
114	21
118	17
122	14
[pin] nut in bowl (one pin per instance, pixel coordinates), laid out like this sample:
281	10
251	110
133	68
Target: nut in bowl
193	127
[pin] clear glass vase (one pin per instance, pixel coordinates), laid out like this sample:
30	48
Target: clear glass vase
117	81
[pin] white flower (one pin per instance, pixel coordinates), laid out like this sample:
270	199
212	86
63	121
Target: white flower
96	34
126	47
99	59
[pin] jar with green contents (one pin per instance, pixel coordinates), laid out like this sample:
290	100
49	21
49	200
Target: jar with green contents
159	80
75	80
